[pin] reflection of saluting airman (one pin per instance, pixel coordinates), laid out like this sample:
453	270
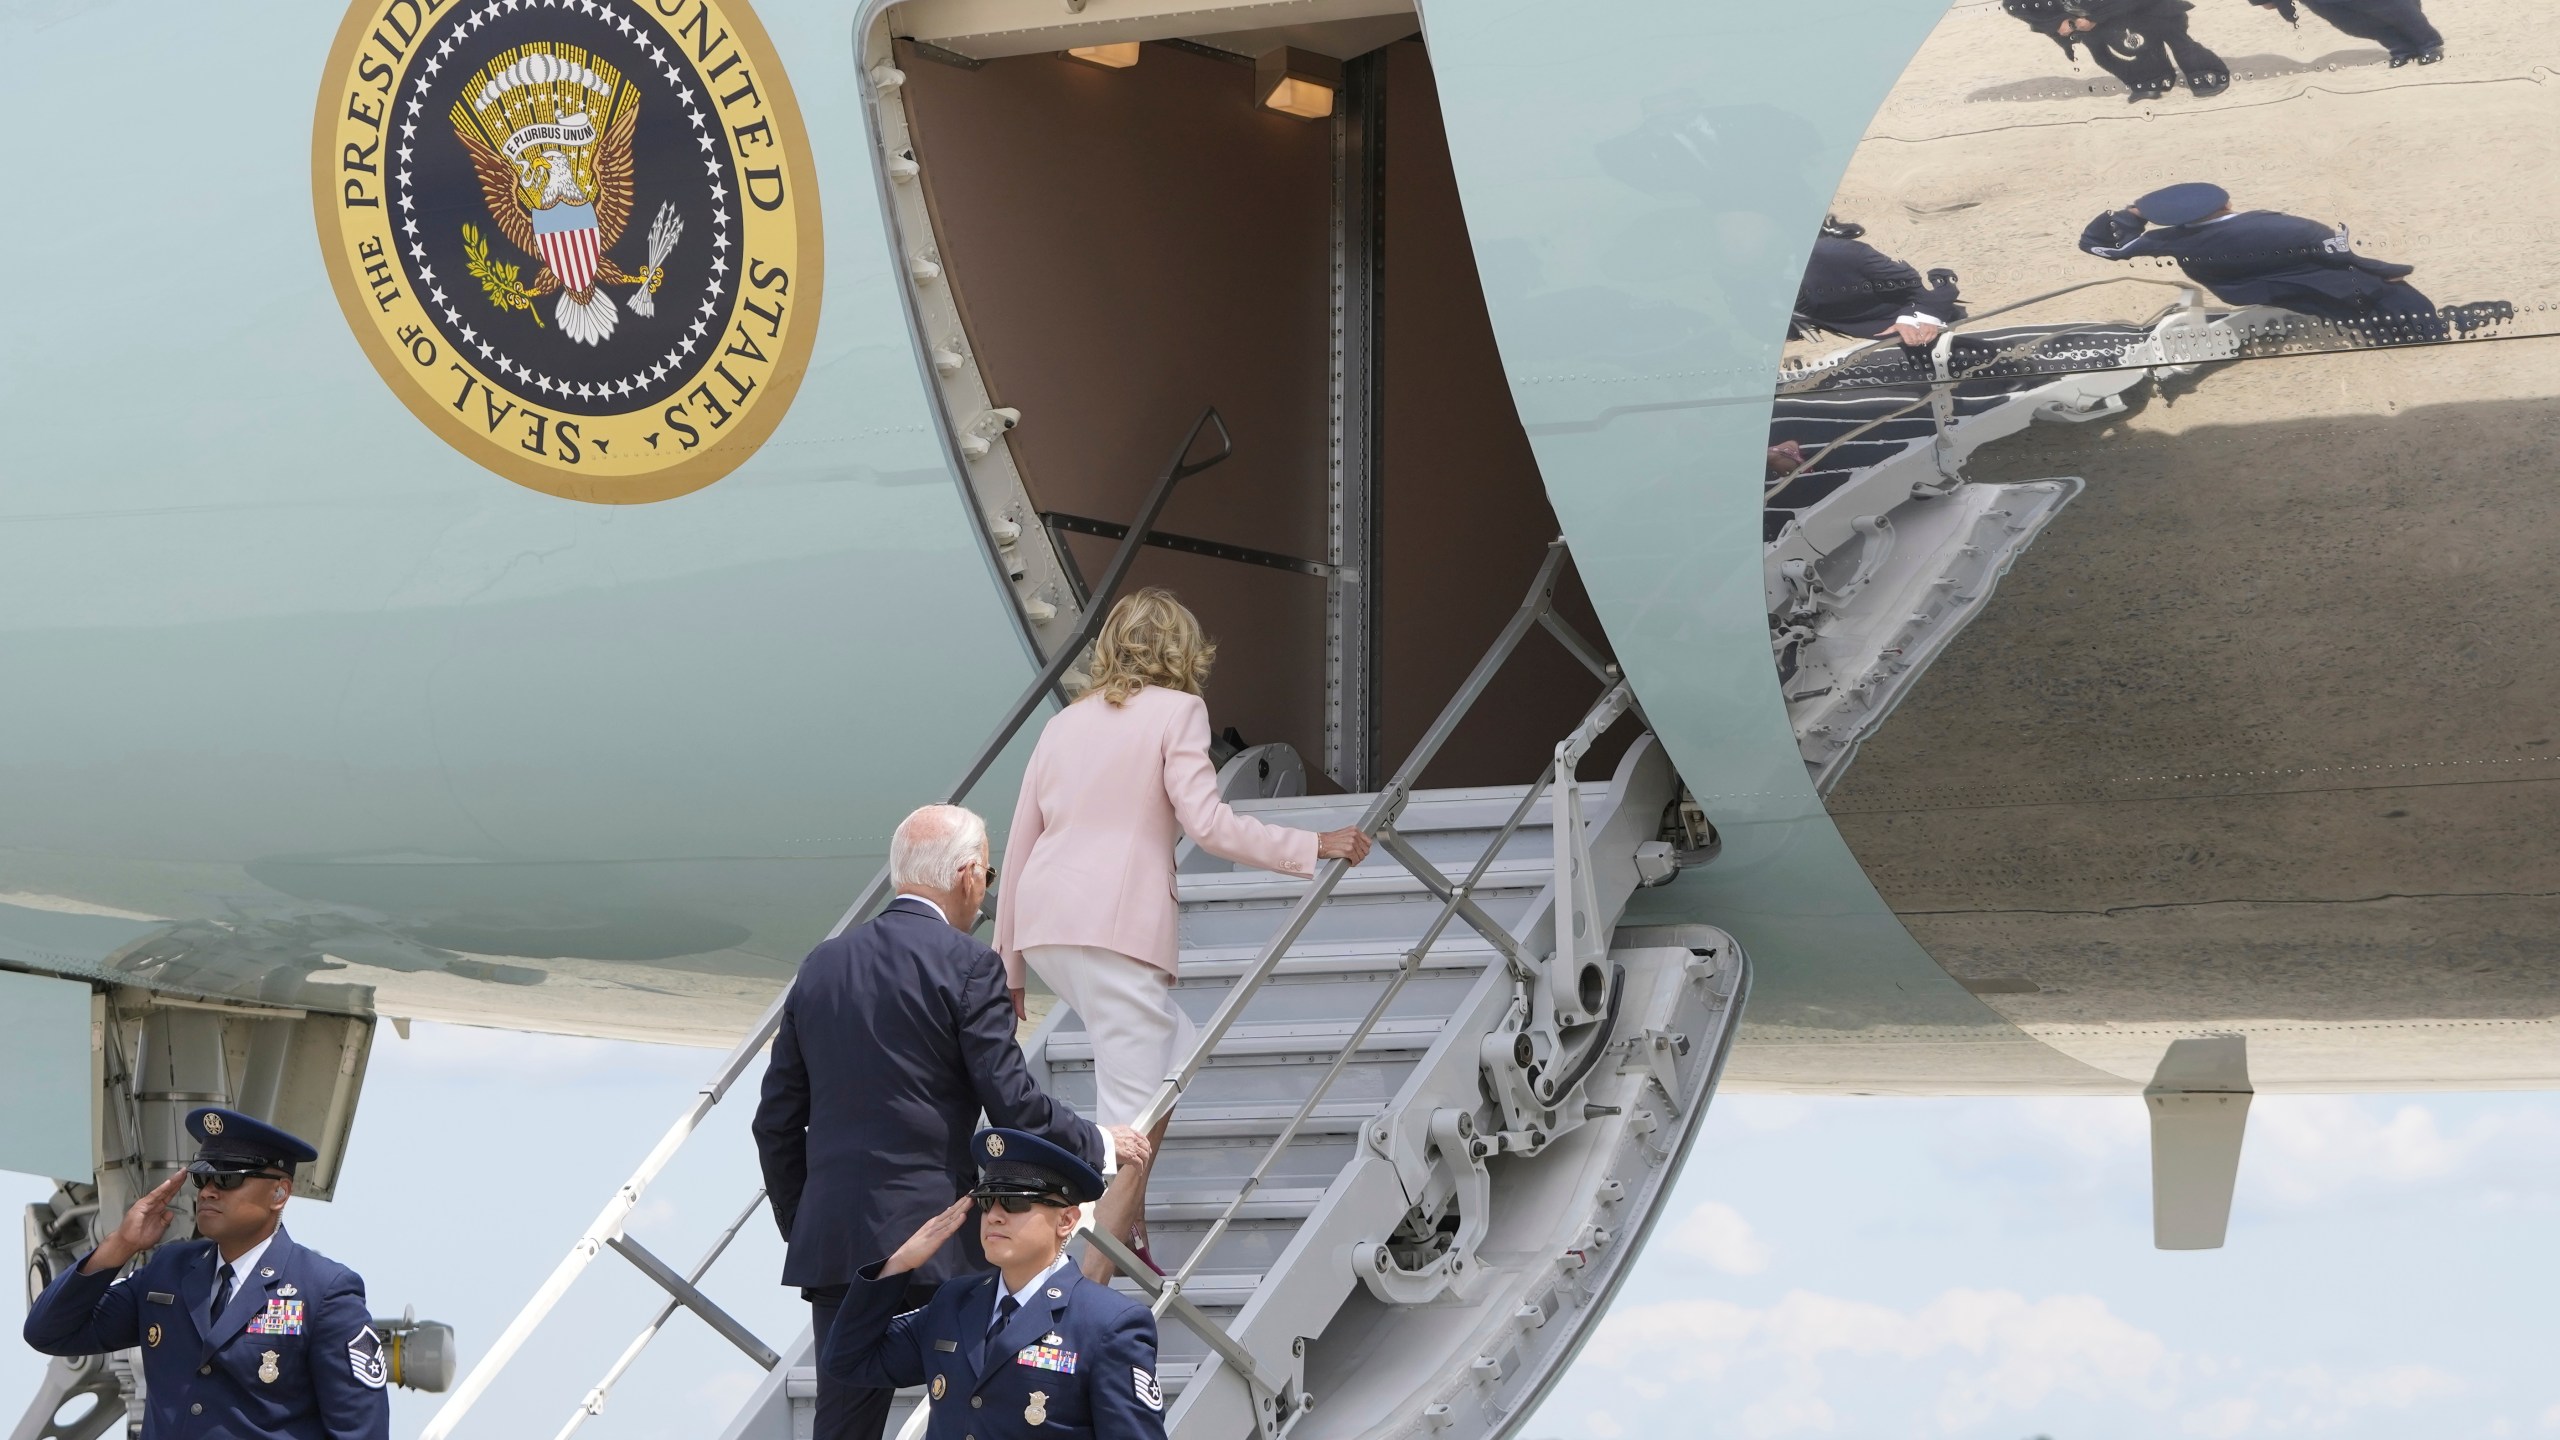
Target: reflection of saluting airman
2261	257
243	1333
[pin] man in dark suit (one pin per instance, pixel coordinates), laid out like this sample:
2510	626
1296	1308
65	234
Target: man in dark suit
1852	288
2399	26
243	1333
2143	43
896	1034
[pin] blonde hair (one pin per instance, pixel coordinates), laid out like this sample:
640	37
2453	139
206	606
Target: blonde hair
1149	639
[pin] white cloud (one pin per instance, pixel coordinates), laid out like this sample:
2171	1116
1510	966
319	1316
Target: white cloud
2222	1419
2005	1354
1765	1114
2551	1418
1717	1234
2303	1149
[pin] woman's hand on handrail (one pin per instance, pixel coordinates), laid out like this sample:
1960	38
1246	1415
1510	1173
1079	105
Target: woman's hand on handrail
1346	843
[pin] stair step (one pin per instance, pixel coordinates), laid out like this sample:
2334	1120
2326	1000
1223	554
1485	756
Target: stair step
1232	886
1475	808
1391	1037
1268	1203
1262	1121
1214	1292
1458	948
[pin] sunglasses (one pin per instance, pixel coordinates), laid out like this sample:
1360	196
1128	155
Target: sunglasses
227	1180
1014	1204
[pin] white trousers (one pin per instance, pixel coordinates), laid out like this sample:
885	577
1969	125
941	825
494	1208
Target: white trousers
1139	1034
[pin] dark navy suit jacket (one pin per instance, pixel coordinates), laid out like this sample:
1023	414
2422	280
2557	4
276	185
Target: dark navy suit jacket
895	1035
1853	288
1095	1378
292	1357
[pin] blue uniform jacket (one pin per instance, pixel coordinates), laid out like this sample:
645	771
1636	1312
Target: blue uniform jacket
1078	1363
293	1357
2258	257
895	1035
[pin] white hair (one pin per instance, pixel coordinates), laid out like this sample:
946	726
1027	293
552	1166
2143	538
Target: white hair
934	845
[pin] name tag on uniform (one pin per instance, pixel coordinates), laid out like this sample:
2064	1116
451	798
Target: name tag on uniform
160	1297
1047	1357
946	1345
281	1317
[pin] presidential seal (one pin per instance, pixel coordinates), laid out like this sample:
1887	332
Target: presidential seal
578	238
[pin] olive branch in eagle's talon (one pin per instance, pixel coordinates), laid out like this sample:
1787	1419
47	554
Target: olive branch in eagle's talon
497	279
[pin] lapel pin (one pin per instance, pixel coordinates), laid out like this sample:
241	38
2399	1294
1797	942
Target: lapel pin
266	1272
1057	1294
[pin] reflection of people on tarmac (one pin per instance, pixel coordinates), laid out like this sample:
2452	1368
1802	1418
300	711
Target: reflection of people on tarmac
2143	43
2399	26
1852	288
2260	257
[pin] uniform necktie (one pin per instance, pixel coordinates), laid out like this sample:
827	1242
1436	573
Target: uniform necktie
987	1351
222	1294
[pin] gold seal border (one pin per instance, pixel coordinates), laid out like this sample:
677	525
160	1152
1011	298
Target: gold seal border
683	477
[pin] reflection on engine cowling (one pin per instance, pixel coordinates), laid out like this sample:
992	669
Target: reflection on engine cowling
2159	505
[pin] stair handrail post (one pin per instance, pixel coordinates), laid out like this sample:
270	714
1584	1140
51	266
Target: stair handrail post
1383	810
593	1404
609	1222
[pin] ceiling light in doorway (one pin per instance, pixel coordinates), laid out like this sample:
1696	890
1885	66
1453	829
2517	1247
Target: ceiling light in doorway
1116	57
1297	82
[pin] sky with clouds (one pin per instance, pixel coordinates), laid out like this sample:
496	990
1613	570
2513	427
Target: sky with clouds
1835	1267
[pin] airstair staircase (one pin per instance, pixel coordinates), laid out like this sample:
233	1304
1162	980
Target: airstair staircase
1435	1101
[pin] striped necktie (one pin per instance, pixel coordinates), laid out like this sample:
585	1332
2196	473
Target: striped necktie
987	1351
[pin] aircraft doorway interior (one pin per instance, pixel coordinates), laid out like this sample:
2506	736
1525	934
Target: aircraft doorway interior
1109	224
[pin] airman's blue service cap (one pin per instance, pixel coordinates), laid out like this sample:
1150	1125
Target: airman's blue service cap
1019	1163
230	1141
2182	204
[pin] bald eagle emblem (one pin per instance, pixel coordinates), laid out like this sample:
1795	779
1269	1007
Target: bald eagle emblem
549	130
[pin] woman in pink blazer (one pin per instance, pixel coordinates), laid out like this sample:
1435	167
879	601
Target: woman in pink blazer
1088	896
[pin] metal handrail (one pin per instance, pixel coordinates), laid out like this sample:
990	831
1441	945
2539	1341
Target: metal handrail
610	1221
1383	809
1457	902
1942	379
2195	300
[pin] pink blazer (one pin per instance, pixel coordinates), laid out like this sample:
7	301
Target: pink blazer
1090	859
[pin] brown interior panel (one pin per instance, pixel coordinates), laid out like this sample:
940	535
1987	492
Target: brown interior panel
1127	246
1466	519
